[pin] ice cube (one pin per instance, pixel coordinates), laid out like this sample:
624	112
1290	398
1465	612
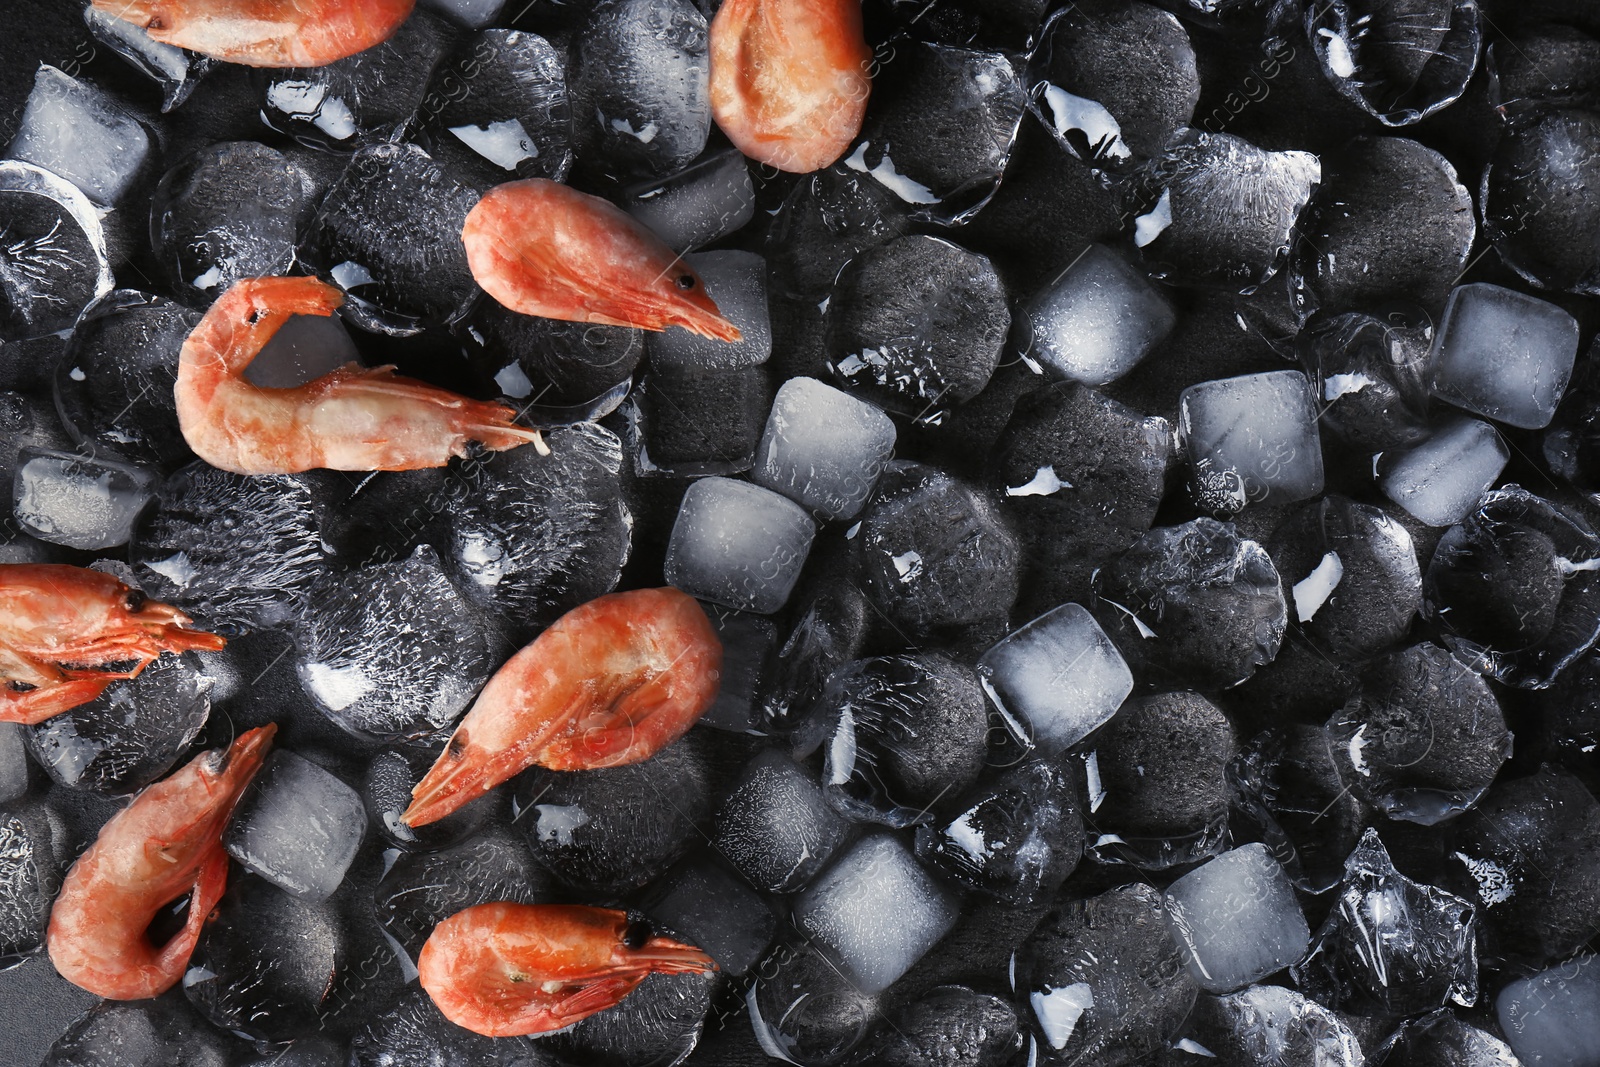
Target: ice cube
1251	439
948	1026
115	383
304	348
1056	679
474	14
1370	375
748	644
641	83
79	501
738	545
1400	66
689	421
1503	354
775	826
391	651
73	129
830	628
1553	1017
34	850
1266	1023
658	1023
823	448
877	910
116	1034
1441	1039
229	211
391	776
803	1009
1237	919
737	281
297	826
13	761
412	1031
174	69
131	734
53	262
715	911
1441	480
1537	197
705	201
1096	320
829	218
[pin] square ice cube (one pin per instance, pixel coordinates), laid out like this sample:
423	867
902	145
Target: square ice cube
738	545
1095	320
297	826
877	910
1257	432
73	129
823	448
776	826
1552	1018
715	911
1057	679
79	501
710	198
737	282
1503	354
1236	919
1442	479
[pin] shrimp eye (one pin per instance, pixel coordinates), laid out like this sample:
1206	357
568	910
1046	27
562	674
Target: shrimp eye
637	935
686	281
134	600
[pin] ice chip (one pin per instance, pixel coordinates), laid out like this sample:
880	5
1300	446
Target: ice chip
79	501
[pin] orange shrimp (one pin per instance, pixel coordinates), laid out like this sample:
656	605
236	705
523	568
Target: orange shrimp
611	682
790	79
166	843
57	623
266	33
543	249
352	419
509	970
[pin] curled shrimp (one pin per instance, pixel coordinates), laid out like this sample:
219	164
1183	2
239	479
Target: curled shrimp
543	249
611	682
508	970
166	843
60	625
790	79
266	33
352	419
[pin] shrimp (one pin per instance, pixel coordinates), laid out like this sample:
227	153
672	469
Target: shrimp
611	682
352	419
508	970
58	623
541	248
790	79
165	844
266	33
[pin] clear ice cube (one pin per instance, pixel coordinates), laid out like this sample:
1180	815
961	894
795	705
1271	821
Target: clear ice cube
1095	320
1252	439
737	281
738	545
1237	919
1441	480
297	826
1056	679
776	826
79	501
705	201
53	260
715	911
748	644
1504	355
823	448
73	129
877	910
1553	1017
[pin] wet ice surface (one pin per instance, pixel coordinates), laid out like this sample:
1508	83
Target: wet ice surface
1251	439
738	545
1237	919
140	1033
73	129
823	448
736	281
709	199
33	860
1550	1017
776	826
79	501
298	827
53	262
1503	355
1441	479
1095	320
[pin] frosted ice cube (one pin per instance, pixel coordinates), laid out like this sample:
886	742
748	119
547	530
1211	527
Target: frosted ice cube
776	826
1441	480
1056	679
297	826
877	910
79	501
13	761
1503	354
1237	919
1095	320
1252	439
1552	1018
823	448
738	545
305	347
73	129
737	282
716	911
709	199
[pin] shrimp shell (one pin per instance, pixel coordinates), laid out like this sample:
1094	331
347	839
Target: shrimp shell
266	33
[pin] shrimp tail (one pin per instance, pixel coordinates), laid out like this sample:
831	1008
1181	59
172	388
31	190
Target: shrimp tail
483	421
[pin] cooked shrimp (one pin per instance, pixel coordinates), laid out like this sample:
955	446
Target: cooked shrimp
59	625
790	79
507	970
352	419
165	844
544	249
612	682
266	33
